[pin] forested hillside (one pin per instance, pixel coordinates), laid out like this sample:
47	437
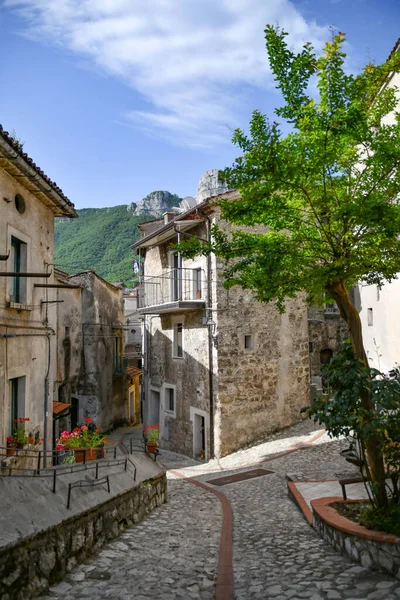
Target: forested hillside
100	240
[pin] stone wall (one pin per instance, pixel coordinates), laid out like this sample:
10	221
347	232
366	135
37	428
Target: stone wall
90	319
30	566
260	389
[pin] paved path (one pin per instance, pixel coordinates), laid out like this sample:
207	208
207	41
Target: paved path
175	552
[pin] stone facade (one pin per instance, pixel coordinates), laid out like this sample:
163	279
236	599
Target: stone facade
27	317
244	371
91	371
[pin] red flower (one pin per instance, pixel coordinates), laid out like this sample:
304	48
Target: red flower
87	419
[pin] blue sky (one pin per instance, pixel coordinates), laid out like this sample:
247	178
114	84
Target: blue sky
117	98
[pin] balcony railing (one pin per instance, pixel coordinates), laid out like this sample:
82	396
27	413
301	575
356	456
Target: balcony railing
331	309
178	287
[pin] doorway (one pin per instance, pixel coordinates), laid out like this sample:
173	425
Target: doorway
154	408
199	436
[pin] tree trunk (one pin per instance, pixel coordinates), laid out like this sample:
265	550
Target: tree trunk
373	444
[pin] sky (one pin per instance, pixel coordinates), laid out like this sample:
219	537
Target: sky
117	98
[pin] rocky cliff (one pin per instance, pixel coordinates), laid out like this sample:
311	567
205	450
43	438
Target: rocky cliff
154	204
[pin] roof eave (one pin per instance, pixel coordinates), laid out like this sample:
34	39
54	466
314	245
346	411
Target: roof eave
60	205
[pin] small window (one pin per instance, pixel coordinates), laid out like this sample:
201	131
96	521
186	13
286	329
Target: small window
17	400
378	293
196	284
178	340
248	342
370	316
20	204
169	399
18	265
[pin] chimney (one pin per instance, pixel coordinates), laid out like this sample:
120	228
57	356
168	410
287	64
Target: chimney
168	216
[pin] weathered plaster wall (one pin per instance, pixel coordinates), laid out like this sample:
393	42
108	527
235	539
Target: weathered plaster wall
189	375
26	355
87	366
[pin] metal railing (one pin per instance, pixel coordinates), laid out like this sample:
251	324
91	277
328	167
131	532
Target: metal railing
331	309
174	285
11	469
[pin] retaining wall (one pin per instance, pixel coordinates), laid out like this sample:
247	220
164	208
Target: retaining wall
31	564
370	548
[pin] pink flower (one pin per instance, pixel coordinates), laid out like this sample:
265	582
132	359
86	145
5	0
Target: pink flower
84	427
60	447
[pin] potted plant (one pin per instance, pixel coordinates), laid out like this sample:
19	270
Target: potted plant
20	438
86	442
10	446
151	433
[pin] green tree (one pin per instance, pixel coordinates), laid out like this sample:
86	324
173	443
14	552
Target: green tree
325	193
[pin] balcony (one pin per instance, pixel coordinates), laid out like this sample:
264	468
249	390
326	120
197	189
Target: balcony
331	309
176	290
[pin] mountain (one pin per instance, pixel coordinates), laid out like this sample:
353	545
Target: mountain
155	203
100	239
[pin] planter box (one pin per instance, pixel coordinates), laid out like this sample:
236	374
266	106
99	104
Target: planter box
366	546
85	454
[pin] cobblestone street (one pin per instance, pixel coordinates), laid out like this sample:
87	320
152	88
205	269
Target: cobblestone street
174	553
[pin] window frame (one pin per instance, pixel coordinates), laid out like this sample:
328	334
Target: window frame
175	343
168	411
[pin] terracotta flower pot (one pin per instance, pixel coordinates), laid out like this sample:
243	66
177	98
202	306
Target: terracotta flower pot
151	447
85	454
10	451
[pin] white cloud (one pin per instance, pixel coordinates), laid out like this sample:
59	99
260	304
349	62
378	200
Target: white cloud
192	60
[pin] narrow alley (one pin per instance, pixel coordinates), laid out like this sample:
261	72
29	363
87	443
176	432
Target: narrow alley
176	553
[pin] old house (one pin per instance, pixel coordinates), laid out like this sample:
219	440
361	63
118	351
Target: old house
379	307
91	370
29	203
220	369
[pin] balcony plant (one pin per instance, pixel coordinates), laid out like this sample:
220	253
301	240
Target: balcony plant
151	433
83	443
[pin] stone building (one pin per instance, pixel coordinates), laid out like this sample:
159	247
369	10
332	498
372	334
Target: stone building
220	369
29	203
91	377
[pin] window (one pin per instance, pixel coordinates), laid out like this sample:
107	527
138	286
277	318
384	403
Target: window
178	340
18	265
17	400
170	399
248	342
176	278
196	284
19	204
116	355
370	316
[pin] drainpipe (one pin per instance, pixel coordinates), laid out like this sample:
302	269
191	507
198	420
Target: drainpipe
46	403
210	343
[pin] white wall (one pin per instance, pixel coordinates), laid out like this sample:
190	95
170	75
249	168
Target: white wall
382	339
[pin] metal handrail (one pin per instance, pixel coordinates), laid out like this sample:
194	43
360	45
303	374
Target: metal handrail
85	483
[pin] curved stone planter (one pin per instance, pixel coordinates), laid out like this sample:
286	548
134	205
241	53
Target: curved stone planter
368	547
